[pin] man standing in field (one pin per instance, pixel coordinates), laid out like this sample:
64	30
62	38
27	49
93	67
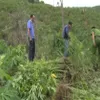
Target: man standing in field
66	37
31	37
96	40
96	45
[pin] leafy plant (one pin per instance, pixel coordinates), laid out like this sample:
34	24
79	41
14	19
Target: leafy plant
7	93
12	59
34	82
3	46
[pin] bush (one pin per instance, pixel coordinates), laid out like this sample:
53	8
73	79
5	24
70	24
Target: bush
8	93
12	58
3	46
34	81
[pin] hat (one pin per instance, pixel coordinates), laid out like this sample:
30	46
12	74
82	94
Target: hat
70	23
93	27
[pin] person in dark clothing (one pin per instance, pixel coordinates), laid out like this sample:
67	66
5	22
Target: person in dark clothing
66	37
31	37
96	47
96	39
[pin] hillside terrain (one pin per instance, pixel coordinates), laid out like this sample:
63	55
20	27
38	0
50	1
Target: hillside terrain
49	77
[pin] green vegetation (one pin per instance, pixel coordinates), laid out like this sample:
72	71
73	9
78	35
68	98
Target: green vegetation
48	77
30	81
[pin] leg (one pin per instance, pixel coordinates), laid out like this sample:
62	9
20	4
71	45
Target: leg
97	53
66	48
98	47
30	50
94	58
94	49
33	49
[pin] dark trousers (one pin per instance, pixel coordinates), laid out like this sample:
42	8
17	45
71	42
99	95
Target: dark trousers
31	49
96	52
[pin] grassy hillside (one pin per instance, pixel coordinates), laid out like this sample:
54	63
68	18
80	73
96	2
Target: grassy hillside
15	13
48	77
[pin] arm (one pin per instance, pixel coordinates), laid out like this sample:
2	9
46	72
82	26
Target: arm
67	32
29	34
93	39
29	28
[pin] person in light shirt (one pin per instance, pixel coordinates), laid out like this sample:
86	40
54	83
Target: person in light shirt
31	37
